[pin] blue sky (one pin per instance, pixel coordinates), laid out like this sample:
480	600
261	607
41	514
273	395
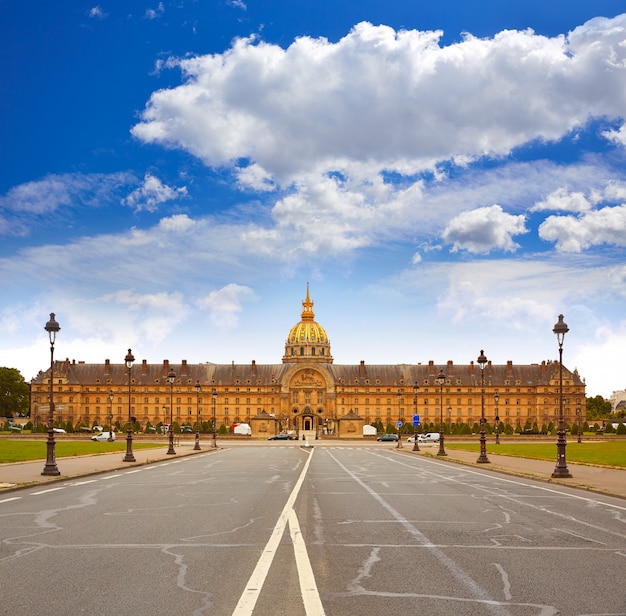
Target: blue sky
448	178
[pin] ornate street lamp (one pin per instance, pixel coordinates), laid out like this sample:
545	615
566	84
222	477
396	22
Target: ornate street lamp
50	468
578	418
496	399
129	457
482	458
110	439
214	426
196	447
441	379
561	470
171	377
416	446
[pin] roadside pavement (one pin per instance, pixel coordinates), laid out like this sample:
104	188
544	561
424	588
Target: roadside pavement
600	479
26	474
603	480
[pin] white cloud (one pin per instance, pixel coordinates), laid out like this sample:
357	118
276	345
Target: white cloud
391	99
152	193
226	304
26	204
562	199
155	13
617	136
483	230
97	13
574	234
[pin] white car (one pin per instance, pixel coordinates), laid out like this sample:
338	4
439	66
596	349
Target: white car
103	436
411	439
58	430
430	437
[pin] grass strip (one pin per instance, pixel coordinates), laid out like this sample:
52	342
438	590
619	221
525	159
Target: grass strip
24	451
603	453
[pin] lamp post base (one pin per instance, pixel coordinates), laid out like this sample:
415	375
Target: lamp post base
170	449
482	458
560	470
129	457
442	451
50	469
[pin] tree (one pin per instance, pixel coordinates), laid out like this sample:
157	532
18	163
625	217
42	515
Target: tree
598	408
14	393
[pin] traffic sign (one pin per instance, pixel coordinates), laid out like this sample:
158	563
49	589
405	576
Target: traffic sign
416	420
398	424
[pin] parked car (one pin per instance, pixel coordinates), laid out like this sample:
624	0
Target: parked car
431	437
97	429
58	430
388	437
281	437
411	439
103	436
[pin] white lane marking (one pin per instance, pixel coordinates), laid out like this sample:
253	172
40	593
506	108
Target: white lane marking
82	483
308	587
111	476
138	470
8	500
310	596
521	481
46	491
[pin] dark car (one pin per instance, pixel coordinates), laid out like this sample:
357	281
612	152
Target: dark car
281	437
388	437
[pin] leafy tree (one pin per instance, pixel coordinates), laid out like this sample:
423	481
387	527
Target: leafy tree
14	393
598	408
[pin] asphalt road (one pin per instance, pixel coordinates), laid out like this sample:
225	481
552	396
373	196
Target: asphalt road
285	530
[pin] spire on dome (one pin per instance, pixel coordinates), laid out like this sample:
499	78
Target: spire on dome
307	304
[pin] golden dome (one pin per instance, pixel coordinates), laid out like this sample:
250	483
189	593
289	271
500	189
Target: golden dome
307	340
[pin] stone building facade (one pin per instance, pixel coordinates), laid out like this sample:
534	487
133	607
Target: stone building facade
307	391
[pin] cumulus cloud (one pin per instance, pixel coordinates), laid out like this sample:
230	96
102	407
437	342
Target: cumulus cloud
562	199
385	98
152	193
483	230
226	304
574	234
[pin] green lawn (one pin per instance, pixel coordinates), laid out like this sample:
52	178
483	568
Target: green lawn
23	451
611	453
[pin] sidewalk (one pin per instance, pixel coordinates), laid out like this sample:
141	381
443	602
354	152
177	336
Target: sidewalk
601	479
24	474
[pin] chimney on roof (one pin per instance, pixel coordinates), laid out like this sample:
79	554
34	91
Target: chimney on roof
183	369
509	368
362	372
450	367
107	366
144	366
166	367
472	367
253	366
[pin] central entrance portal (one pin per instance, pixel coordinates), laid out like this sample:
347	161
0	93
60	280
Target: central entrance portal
307	423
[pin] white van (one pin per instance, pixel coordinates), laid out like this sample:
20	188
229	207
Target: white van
430	437
103	436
